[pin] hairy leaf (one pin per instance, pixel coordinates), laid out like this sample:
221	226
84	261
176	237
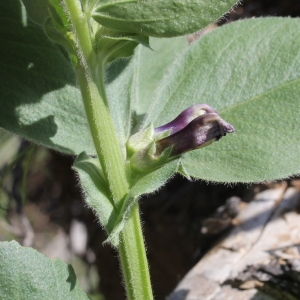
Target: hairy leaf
159	18
150	67
27	274
39	98
131	83
118	84
249	71
97	194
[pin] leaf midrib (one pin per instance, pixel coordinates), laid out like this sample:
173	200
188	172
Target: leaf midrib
271	90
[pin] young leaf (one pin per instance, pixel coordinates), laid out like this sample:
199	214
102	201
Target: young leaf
27	274
96	189
39	98
97	192
159	18
249	71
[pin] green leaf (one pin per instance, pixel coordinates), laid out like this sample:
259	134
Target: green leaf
27	274
151	182
151	66
39	98
249	71
118	89
97	194
159	18
131	83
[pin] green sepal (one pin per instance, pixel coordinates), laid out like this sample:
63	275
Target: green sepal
145	160
140	140
141	150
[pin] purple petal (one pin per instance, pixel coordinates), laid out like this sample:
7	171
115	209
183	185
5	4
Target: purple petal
199	132
185	118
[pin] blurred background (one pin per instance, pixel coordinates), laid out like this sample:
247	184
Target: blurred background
41	206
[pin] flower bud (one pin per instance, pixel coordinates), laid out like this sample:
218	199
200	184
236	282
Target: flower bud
185	118
197	126
201	131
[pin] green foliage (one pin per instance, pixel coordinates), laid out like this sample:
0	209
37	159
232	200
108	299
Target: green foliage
27	274
150	67
97	194
254	81
247	85
39	97
159	18
96	189
249	71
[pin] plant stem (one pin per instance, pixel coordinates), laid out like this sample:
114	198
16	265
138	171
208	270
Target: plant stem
104	136
133	259
98	115
131	249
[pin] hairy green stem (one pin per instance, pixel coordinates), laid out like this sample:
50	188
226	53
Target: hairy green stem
104	136
133	259
91	81
98	115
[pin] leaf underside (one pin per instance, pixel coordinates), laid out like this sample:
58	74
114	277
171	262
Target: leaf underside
159	18
39	98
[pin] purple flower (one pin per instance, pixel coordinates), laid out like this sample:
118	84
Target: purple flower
189	133
183	119
197	126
